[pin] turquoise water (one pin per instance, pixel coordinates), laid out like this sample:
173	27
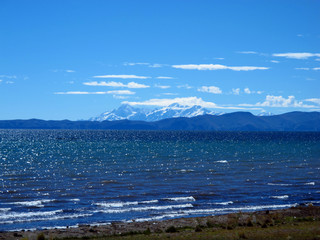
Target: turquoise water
59	178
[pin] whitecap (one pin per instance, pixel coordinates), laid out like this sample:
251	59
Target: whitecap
13	215
280	197
5	209
140	209
34	203
280	184
116	204
224	203
181	199
49	218
222	161
172	215
310	183
245	208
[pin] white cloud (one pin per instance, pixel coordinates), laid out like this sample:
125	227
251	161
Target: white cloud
303	55
133	64
279	101
304	68
156	65
163	77
9	82
120	97
187	101
210	89
186	86
236	91
72	93
274	61
217	67
122	76
116	92
317	59
153	65
314	100
161	86
70	71
1	80
247	91
248	52
8	76
121	92
116	84
219	58
170	94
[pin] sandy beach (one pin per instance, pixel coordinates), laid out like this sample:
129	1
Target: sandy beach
177	227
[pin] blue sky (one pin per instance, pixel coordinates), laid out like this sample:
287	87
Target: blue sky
76	59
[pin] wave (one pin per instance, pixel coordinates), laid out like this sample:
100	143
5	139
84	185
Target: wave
5	209
280	197
222	161
181	199
280	184
34	203
310	183
223	203
246	208
122	204
170	215
54	218
13	215
140	209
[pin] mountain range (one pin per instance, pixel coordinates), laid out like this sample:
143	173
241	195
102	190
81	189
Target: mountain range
175	110
237	121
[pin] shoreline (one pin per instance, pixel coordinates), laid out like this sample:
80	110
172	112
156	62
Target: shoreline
261	219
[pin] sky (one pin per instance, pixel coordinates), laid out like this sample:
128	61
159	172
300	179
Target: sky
75	59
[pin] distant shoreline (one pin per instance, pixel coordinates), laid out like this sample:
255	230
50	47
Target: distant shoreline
290	218
237	121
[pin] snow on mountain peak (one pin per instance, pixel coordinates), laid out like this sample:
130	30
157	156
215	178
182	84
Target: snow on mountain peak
174	110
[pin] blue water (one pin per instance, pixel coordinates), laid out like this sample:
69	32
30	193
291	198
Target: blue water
59	178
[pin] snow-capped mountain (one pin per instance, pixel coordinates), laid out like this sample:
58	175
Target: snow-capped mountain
174	110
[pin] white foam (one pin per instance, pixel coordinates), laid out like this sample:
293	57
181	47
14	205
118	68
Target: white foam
116	204
172	215
150	201
140	209
222	161
75	200
310	183
181	199
52	218
13	215
186	170
123	204
5	209
34	203
224	203
280	184
246	208
280	197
